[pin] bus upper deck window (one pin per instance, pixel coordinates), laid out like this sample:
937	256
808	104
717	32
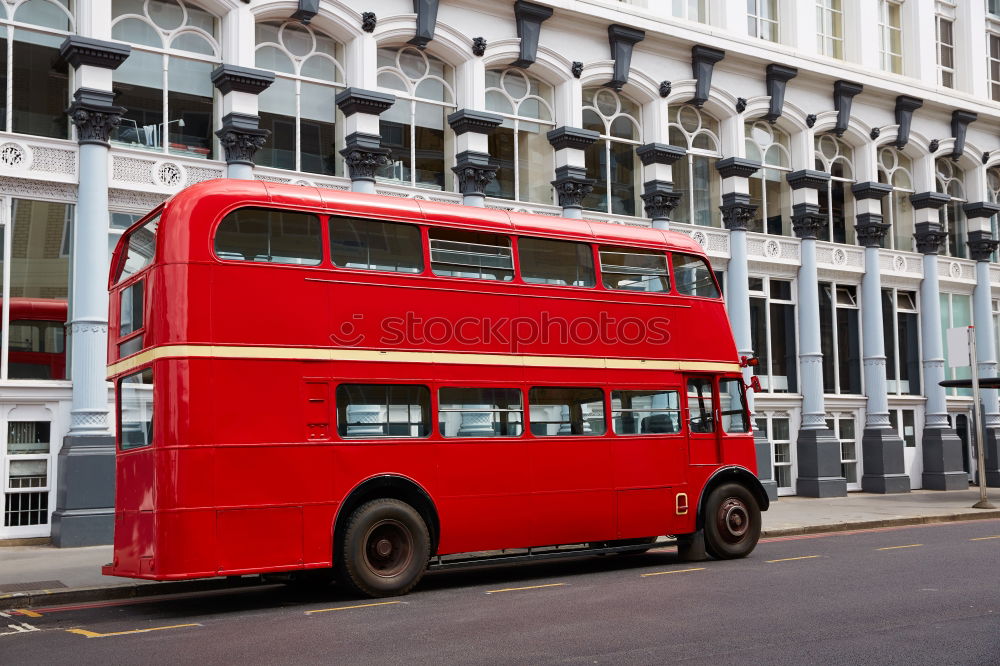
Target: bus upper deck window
375	245
141	248
556	262
272	236
471	254
634	269
693	277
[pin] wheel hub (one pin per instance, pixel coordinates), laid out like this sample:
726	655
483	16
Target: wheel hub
733	519
388	548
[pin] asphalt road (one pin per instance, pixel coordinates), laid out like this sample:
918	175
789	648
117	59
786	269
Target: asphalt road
914	595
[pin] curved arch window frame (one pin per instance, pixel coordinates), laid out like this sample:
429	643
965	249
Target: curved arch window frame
410	96
151	137
949	179
993	189
897	208
298	80
774	171
10	26
842	156
689	164
516	120
606	144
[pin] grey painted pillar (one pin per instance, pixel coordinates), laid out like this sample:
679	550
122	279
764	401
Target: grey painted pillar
737	212
817	448
474	168
571	183
881	447
240	134
85	484
981	246
942	449
658	188
363	152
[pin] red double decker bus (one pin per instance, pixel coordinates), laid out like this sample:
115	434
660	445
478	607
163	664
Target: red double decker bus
323	381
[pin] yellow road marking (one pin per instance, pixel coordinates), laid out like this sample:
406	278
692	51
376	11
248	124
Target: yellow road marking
661	573
339	608
26	612
530	587
912	545
94	634
985	538
789	559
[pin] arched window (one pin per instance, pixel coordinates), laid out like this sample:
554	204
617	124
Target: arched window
414	127
836	201
611	160
768	187
993	187
519	144
694	174
165	85
895	169
949	181
38	78
299	108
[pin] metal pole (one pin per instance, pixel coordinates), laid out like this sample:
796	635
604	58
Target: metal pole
984	502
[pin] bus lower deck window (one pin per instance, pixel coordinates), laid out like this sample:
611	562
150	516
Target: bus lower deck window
383	410
732	399
135	409
699	395
480	412
645	412
566	411
375	245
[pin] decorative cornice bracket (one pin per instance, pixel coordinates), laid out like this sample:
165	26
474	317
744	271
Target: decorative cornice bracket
703	59
622	39
905	106
777	77
843	98
529	18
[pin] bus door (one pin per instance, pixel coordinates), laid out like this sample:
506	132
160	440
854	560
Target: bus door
702	427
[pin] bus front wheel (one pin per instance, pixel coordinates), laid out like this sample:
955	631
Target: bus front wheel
385	549
732	522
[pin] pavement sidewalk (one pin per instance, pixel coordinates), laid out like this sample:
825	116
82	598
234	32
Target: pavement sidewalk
34	576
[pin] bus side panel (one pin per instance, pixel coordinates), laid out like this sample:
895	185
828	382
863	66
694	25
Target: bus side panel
254	539
739	450
186	545
134	518
487	504
646	512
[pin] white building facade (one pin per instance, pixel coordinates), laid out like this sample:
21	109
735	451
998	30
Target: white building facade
842	174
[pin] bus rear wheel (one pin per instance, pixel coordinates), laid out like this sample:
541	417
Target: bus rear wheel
385	549
732	522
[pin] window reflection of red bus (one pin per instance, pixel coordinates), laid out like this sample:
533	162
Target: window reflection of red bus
37	338
366	386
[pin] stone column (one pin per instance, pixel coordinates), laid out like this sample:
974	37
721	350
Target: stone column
817	448
474	167
942	449
363	153
981	246
240	134
881	448
571	183
85	487
737	211
658	187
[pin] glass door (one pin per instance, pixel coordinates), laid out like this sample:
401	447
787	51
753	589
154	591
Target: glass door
904	423
27	466
844	427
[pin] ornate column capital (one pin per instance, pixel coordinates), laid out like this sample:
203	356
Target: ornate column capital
807	221
871	230
982	245
363	155
95	115
241	137
475	171
572	186
659	198
737	211
929	237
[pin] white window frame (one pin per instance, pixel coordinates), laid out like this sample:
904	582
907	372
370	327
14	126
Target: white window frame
830	14
946	74
791	464
836	417
890	166
715	219
890	60
836	306
894	386
766	375
757	21
606	139
775	145
948	176
846	160
992	35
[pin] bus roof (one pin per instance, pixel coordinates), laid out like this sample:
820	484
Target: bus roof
190	215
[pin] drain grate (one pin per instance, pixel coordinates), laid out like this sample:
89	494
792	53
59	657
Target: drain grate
31	585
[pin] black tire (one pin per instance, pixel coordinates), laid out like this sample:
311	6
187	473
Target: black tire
732	522
385	549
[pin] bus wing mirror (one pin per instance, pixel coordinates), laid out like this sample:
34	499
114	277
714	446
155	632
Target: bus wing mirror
754	384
